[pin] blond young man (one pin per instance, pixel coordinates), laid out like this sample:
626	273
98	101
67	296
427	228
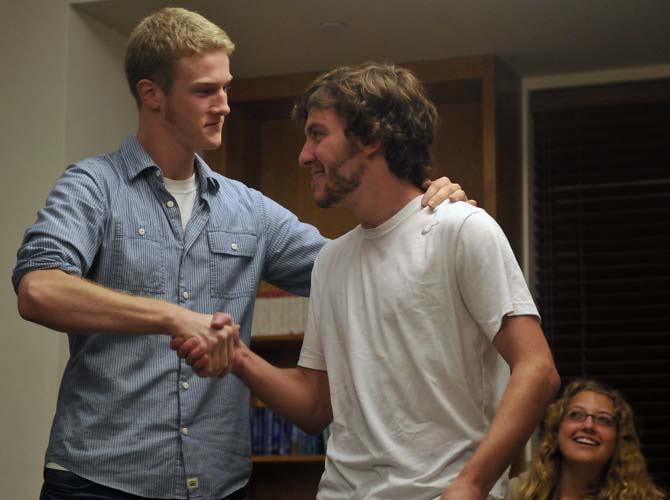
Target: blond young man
416	316
149	242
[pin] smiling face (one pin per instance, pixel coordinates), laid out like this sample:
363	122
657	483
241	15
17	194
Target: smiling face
587	442
335	163
197	103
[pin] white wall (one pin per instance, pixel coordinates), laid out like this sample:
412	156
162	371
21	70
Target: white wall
62	96
100	109
32	142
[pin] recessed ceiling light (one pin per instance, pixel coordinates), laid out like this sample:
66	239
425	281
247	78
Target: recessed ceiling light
334	26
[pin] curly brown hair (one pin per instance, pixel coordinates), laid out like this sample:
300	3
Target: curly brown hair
379	102
624	478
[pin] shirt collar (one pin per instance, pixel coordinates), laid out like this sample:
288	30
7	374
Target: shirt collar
137	160
208	183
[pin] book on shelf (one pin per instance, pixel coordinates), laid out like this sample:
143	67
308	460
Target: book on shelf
272	434
279	313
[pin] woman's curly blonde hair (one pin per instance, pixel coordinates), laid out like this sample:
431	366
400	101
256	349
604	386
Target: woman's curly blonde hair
625	476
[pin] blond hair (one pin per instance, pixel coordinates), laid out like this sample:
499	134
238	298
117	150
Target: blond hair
625	477
162	38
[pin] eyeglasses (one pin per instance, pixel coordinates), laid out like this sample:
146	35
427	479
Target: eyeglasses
602	419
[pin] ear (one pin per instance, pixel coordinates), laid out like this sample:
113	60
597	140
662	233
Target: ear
150	94
369	150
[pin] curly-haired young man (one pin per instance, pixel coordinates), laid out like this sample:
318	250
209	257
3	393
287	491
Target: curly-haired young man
416	316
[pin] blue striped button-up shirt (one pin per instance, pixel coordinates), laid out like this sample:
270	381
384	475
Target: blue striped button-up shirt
131	415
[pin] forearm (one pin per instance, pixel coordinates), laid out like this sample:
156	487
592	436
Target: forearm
299	394
68	303
530	389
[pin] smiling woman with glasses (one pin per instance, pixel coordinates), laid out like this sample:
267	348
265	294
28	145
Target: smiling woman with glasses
601	418
588	450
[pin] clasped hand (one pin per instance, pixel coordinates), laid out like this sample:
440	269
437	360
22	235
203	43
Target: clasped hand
209	344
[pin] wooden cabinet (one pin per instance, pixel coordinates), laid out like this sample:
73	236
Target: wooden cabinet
477	145
276	477
289	479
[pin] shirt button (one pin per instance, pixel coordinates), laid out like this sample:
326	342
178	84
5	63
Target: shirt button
184	431
170	204
141	231
185	295
158	173
192	483
185	385
234	246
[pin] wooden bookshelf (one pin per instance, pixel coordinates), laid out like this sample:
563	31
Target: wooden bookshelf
280	350
285	480
278	477
271	339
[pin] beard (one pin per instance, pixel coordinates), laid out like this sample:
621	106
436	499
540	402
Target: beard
171	116
184	130
338	185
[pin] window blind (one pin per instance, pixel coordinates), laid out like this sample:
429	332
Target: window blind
601	224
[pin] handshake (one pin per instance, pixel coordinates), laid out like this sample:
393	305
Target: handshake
208	344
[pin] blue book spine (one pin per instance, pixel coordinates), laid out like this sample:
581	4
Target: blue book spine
267	431
325	436
259	414
252	429
277	430
286	444
294	440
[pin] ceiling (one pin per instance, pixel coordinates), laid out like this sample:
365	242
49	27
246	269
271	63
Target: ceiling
535	37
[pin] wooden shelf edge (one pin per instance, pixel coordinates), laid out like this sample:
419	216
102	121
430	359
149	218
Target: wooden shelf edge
287	458
261	339
291	86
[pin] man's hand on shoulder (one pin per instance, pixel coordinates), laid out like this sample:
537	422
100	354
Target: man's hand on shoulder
440	190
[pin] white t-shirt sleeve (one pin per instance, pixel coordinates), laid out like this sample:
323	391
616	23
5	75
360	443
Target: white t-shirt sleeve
311	354
490	280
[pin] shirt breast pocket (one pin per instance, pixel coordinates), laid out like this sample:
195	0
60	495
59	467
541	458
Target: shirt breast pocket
232	268
138	259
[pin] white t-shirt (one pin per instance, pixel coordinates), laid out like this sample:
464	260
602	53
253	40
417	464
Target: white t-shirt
184	193
402	317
